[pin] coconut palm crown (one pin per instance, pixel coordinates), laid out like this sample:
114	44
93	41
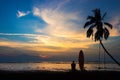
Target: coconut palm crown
96	21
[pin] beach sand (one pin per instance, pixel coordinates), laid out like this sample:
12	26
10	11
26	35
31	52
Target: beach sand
54	75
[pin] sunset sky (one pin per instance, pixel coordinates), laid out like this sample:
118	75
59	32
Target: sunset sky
52	30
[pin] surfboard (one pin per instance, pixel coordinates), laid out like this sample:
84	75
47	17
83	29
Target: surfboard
81	60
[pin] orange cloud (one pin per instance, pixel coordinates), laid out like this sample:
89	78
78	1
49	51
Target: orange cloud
116	26
44	56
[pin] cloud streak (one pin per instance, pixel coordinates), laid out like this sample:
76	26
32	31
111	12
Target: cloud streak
21	13
46	43
16	34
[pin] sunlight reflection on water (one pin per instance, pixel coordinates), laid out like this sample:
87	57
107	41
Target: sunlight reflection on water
54	66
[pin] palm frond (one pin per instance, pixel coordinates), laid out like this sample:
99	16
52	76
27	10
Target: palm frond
106	33
88	23
89	32
99	34
99	26
108	24
104	15
97	37
90	18
97	14
92	26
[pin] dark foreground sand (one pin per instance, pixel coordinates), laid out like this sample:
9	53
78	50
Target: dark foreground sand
51	75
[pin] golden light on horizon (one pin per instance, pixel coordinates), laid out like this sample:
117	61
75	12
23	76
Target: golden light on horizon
49	45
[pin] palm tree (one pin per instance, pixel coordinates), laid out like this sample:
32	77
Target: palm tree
96	21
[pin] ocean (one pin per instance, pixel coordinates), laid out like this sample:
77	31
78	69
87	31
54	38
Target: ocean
56	66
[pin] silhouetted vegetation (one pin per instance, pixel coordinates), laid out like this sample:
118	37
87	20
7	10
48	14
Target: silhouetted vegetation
97	21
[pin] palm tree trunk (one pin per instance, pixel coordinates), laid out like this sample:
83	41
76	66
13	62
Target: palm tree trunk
109	54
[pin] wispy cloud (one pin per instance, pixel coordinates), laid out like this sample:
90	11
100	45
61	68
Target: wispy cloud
63	28
16	34
58	21
21	13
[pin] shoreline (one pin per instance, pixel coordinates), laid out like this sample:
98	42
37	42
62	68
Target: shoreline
59	75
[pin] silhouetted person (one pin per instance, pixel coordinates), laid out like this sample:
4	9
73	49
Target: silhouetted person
73	66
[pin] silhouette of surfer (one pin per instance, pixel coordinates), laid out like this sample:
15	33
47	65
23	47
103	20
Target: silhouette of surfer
73	66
